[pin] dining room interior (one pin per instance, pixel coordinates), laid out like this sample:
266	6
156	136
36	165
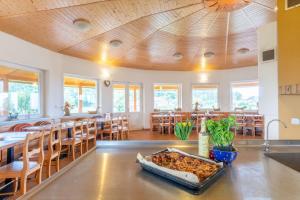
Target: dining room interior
87	87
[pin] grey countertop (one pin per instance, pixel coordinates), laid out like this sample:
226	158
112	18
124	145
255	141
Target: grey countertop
110	173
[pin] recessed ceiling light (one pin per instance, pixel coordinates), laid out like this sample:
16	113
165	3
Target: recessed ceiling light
209	54
115	43
243	50
82	25
178	56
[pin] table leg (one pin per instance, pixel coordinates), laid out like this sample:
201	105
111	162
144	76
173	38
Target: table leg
9	158
69	132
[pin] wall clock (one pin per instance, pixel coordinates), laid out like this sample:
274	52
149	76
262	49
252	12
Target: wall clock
107	83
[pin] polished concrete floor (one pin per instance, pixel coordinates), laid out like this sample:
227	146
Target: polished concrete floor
111	173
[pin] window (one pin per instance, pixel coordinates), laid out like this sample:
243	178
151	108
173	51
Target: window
205	95
81	94
134	98
119	97
19	92
245	95
166	96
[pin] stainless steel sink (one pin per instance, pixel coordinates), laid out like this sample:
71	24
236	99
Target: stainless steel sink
290	159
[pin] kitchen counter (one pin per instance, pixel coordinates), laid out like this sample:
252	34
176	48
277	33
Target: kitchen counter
112	173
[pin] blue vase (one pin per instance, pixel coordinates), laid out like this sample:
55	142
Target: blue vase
227	157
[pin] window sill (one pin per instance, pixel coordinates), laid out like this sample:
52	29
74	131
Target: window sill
19	121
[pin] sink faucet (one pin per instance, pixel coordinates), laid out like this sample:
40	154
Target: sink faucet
267	142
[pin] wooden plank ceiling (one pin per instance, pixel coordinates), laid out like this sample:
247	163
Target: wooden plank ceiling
151	31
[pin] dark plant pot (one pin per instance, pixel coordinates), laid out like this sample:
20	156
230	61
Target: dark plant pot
227	157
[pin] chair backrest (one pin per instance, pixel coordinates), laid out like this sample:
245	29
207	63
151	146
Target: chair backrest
35	141
19	127
177	117
91	126
125	122
77	130
41	123
165	119
54	142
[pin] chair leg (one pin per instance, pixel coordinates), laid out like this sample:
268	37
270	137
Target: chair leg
73	152
23	184
95	141
49	168
87	146
57	164
68	151
39	176
16	184
80	148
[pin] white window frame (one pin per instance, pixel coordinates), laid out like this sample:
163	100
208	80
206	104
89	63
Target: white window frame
40	84
83	78
127	95
231	94
179	94
206	84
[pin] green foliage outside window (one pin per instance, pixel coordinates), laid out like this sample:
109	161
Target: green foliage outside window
23	98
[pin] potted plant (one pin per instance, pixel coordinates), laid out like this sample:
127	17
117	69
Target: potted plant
183	130
222	138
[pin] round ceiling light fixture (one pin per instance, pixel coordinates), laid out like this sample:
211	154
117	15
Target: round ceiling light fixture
243	50
208	54
226	5
178	56
82	24
115	43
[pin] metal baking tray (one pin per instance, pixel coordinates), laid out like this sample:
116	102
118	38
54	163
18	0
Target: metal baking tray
196	188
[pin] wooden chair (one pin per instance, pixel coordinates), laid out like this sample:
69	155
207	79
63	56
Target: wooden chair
249	124
124	128
76	139
54	149
154	121
165	122
19	127
176	119
21	169
240	124
111	128
90	132
259	124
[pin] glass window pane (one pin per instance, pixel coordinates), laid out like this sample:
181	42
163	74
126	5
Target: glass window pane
205	96
119	98
81	94
71	95
166	97
23	97
19	91
134	98
89	99
245	96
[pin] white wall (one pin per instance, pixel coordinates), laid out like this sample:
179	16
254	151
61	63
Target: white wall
55	65
268	77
